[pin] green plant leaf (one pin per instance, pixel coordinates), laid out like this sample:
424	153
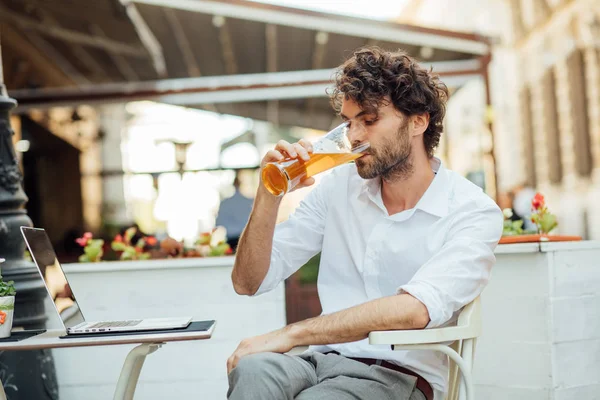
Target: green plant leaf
218	250
547	223
92	252
98	257
203	239
129	253
129	234
518	224
7	288
507	232
512	228
118	246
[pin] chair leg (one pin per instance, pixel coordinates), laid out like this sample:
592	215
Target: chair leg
467	354
454	375
132	367
465	368
474	345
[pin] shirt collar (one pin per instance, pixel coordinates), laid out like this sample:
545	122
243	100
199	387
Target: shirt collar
435	199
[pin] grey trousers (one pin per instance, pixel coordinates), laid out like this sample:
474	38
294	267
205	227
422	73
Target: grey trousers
316	376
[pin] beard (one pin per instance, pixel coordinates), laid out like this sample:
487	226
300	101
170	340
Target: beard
391	160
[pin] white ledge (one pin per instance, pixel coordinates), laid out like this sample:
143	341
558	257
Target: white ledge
227	261
145	265
544	247
562	246
517	248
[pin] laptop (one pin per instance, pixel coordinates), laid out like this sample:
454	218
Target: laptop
64	299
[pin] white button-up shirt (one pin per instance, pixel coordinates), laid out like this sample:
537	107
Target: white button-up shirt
441	252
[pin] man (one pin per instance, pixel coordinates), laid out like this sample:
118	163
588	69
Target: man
405	244
233	214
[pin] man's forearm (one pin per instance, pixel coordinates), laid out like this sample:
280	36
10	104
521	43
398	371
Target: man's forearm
253	255
387	313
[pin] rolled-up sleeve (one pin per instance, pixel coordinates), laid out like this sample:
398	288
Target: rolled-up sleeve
459	272
299	238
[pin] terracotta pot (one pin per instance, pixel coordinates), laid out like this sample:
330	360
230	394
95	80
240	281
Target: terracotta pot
538	238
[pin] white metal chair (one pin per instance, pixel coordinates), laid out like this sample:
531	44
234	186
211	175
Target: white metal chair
457	342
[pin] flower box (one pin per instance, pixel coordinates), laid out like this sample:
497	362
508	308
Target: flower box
136	246
544	220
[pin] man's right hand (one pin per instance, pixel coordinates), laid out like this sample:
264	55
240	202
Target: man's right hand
254	248
287	151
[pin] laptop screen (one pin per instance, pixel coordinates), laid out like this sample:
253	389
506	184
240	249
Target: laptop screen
52	273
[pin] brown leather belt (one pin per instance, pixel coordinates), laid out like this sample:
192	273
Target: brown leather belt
422	384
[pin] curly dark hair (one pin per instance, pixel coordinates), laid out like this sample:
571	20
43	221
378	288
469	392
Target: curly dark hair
372	75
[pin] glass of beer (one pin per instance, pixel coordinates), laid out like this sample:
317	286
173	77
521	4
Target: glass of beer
330	151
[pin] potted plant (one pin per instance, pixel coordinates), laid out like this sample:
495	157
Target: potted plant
512	228
134	245
131	248
544	221
213	244
7	305
93	249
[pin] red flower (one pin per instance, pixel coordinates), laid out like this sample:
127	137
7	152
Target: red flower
138	249
2	317
229	251
88	235
82	241
151	241
118	239
538	201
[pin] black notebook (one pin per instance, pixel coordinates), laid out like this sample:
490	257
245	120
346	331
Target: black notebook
194	326
17	336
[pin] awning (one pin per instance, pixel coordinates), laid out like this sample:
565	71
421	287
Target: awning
236	57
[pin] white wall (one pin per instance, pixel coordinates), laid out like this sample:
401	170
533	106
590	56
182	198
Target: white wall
541	326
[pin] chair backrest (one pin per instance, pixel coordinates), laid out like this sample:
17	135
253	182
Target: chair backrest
470	318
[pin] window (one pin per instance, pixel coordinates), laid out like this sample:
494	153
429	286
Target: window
551	128
579	113
527	129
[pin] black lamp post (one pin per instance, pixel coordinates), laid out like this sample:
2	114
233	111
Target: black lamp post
26	374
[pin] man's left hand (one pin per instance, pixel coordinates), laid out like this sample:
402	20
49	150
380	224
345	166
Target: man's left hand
279	341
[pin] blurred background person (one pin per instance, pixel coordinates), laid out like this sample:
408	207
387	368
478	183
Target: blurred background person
506	200
522	205
234	213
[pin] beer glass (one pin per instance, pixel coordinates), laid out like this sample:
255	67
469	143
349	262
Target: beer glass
330	151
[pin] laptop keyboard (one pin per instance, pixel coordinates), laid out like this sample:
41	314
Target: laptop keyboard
115	324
